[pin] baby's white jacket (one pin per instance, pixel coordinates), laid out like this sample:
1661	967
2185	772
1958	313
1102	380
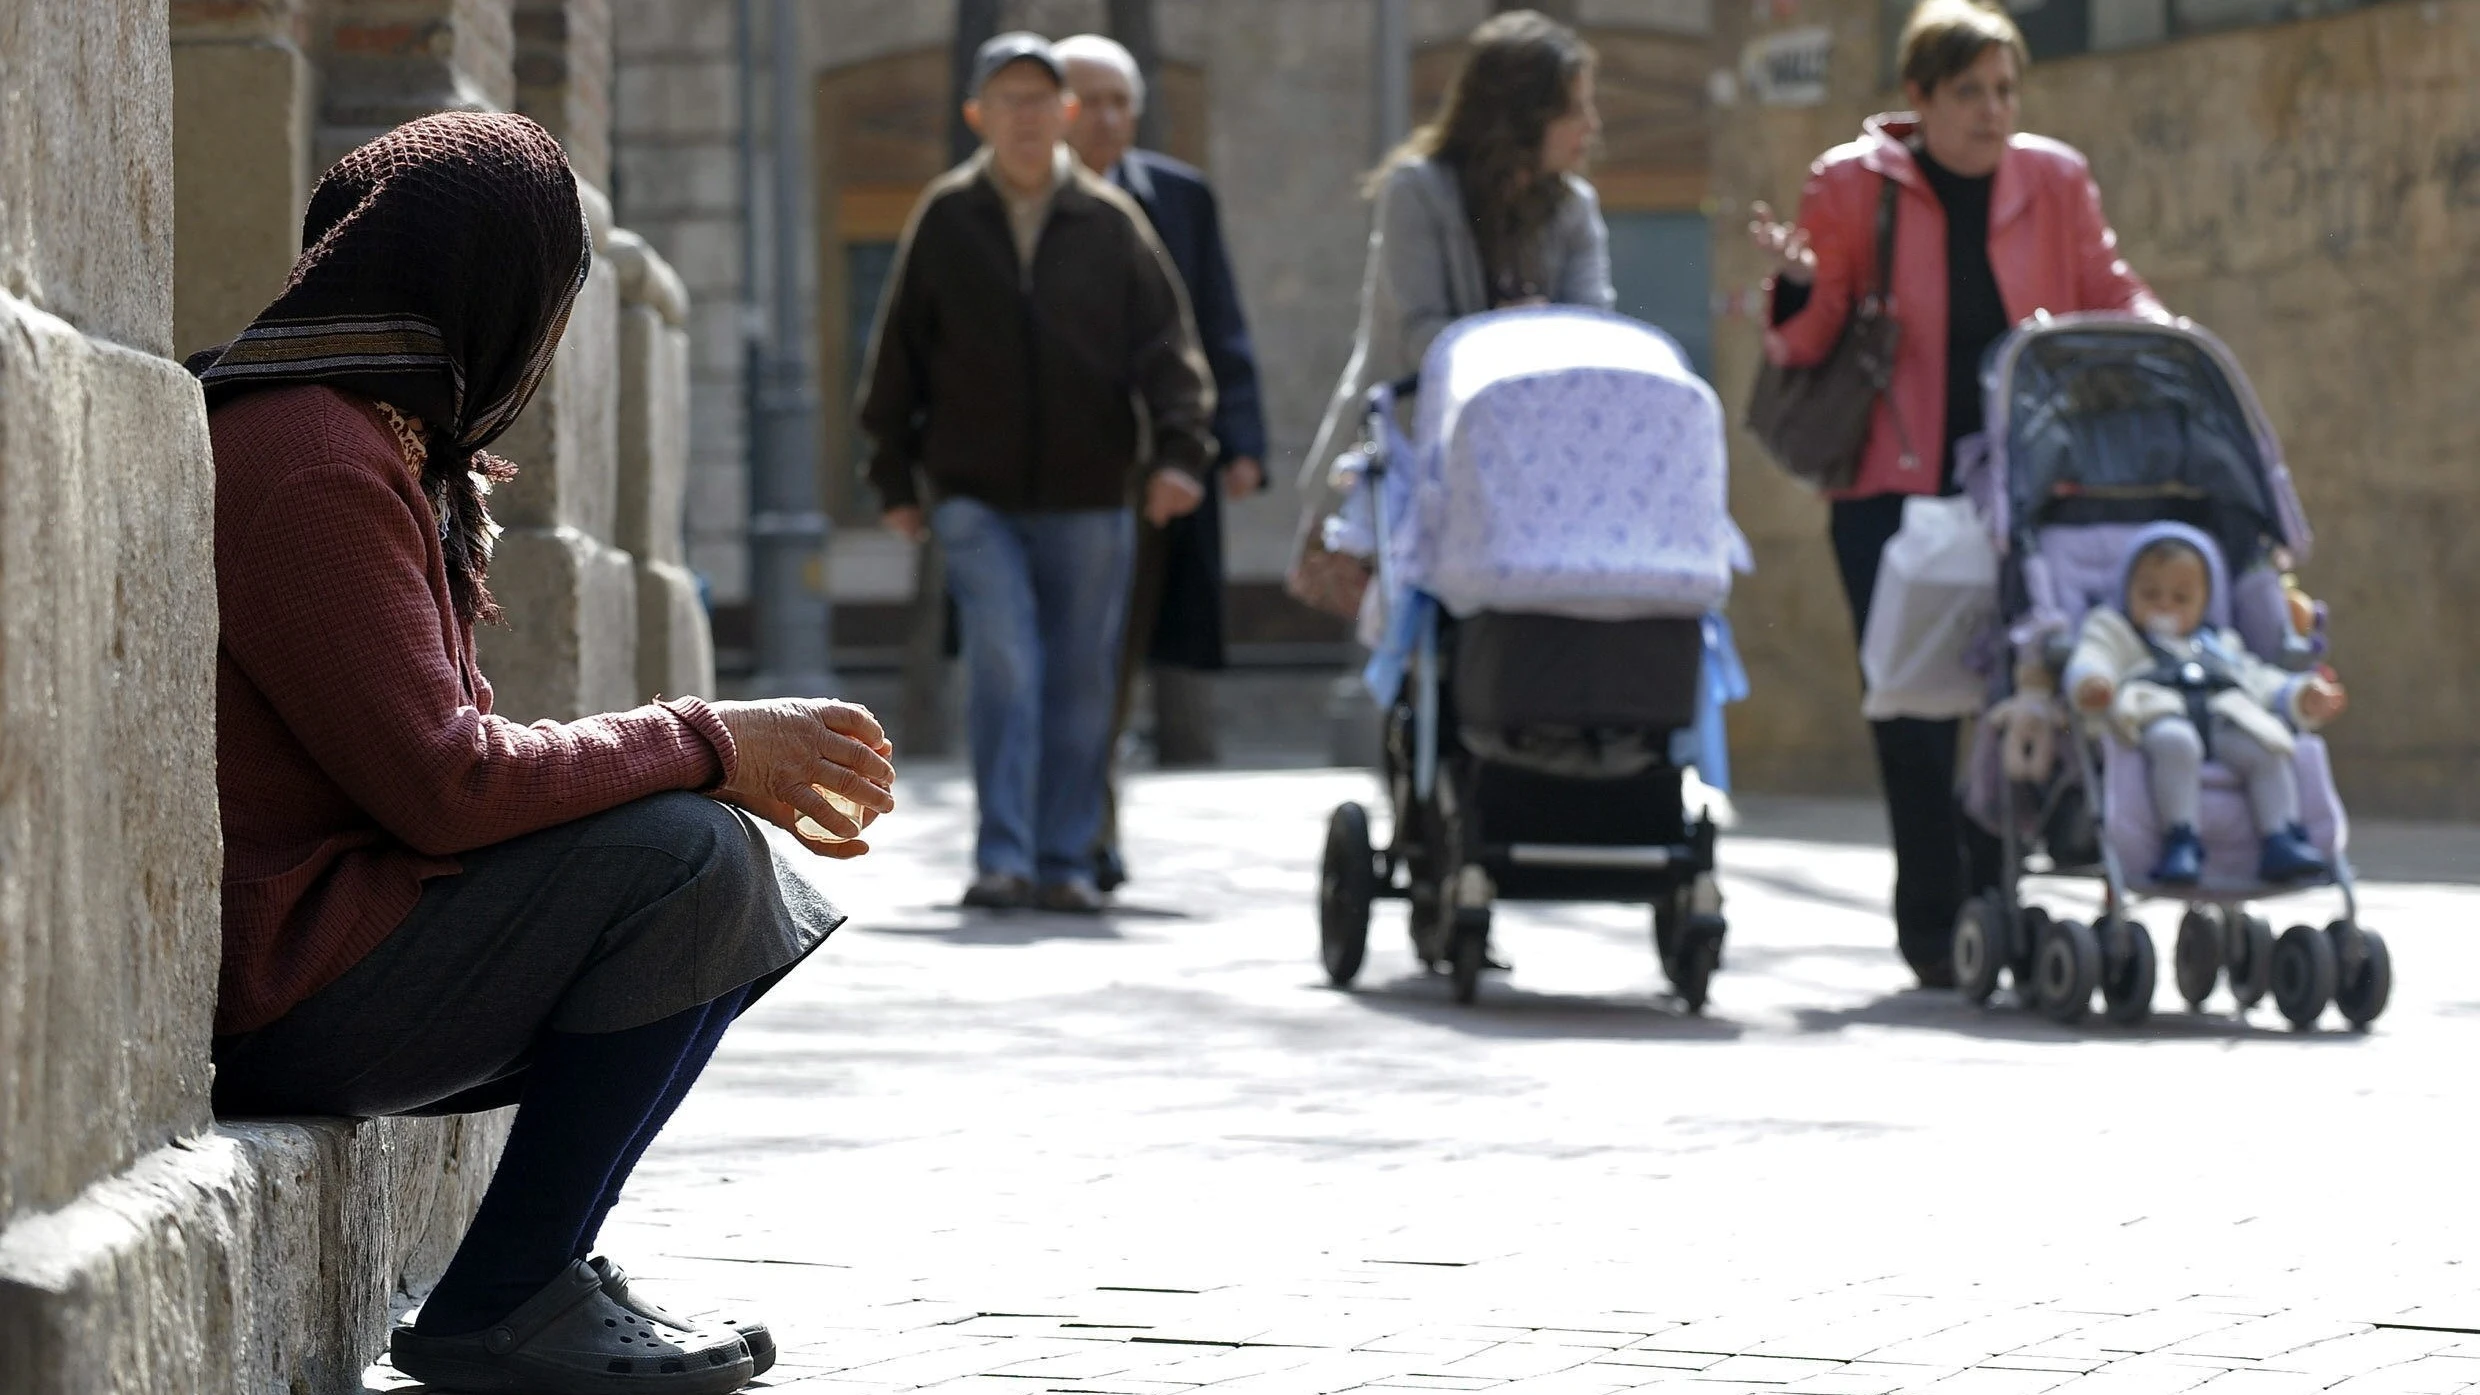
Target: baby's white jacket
2111	648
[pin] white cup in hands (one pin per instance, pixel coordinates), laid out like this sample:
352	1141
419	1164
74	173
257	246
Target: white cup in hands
815	767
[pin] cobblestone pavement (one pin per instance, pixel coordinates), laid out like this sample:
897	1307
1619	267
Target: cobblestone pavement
1154	1153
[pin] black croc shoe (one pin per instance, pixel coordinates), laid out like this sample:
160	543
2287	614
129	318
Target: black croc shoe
753	1331
573	1339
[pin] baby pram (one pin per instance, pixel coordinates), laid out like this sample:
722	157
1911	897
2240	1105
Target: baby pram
1553	550
2098	427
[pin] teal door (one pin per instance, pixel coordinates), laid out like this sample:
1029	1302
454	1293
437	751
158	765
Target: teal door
1662	266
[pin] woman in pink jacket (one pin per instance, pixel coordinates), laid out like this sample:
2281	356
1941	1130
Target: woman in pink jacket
1991	226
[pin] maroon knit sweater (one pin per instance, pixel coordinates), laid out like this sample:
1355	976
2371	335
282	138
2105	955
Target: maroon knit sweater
356	753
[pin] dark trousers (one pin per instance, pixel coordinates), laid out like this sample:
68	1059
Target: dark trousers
1940	855
584	974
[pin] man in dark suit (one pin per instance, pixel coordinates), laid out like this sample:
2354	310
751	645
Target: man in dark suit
1175	618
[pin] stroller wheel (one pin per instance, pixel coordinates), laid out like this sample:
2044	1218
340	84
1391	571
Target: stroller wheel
1981	948
2127	980
2251	960
2366	986
2066	969
2305	975
1347	883
2197	962
1691	966
1468	951
2027	955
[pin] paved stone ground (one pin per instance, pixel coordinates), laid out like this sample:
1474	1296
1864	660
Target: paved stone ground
1154	1153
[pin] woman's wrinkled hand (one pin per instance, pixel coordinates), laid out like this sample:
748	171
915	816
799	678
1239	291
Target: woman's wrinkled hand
794	752
1794	259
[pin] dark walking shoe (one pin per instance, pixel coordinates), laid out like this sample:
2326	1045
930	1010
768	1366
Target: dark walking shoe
755	1333
1071	898
2182	857
1110	871
574	1339
2290	857
997	891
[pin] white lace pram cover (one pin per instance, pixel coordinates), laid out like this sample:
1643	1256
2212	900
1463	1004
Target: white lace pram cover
1568	462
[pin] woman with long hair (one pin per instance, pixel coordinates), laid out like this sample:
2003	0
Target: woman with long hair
429	908
1990	225
1485	207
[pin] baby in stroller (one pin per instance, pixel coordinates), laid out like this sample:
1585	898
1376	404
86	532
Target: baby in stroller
2183	692
2146	523
1553	549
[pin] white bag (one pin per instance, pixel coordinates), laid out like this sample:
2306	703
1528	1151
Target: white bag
1937	587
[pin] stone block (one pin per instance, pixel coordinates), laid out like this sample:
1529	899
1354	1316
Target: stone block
260	1257
675	642
389	61
110	854
86	203
563	74
569	647
243	111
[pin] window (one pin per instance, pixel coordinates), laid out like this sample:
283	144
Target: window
1660	266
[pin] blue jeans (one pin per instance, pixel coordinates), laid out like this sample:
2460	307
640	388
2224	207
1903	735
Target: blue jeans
1042	598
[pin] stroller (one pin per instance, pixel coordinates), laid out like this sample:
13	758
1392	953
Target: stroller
2098	427
1551	559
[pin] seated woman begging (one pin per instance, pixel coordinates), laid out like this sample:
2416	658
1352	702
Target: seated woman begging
2184	693
429	908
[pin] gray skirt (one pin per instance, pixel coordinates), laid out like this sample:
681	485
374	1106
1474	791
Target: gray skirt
610	922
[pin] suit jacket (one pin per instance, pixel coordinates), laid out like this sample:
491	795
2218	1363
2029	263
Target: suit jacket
1181	205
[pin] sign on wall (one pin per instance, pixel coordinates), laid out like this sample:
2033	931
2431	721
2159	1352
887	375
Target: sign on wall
1788	68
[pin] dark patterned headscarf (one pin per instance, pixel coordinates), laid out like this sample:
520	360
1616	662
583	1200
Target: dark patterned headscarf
441	262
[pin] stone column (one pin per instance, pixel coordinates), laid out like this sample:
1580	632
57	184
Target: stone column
569	645
245	101
109	851
675	647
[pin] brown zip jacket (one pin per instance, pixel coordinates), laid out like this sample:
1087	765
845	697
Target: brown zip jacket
1020	386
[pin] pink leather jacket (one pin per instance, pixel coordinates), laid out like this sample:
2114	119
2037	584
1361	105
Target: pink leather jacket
2048	244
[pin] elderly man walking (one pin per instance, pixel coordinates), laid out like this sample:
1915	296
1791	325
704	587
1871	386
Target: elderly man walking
1029	318
1175	617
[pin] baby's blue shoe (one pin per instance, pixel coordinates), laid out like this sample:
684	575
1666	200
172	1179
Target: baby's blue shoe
2290	857
2182	857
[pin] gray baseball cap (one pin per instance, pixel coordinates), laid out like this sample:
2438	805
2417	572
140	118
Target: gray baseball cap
1015	47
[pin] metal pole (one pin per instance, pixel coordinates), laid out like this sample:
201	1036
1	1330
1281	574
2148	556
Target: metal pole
787	528
1394	77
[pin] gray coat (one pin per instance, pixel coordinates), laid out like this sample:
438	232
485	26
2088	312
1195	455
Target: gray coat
1424	273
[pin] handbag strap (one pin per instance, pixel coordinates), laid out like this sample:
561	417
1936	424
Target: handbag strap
1880	301
1883	290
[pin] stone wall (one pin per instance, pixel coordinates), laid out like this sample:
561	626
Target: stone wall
145	1245
2307	191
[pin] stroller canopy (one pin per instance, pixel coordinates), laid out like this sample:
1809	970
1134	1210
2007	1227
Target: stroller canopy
2116	420
1567	462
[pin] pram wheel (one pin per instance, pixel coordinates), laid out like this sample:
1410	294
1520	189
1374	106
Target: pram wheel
2127	979
2197	962
2067	970
1691	963
1347	883
2251	960
2366	986
2033	923
2305	975
1981	948
1468	950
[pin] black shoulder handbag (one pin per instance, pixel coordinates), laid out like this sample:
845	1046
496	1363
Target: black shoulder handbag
1815	421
